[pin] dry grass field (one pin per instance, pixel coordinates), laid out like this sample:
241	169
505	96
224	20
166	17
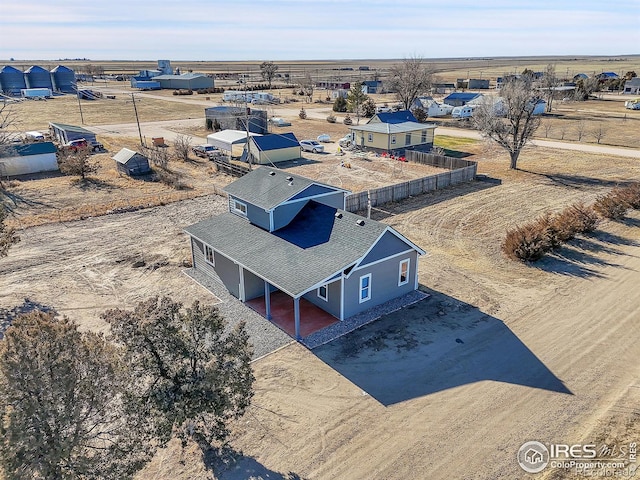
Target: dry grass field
546	352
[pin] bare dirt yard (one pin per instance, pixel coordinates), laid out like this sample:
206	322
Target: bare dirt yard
546	352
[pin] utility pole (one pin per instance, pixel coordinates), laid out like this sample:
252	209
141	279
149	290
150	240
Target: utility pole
246	123
79	105
135	109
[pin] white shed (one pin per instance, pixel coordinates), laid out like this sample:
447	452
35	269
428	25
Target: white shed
23	159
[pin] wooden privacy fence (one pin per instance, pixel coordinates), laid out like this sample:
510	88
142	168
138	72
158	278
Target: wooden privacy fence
230	168
459	171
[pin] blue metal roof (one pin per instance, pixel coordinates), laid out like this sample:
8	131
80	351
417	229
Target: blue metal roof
276	141
35	148
397	117
464	96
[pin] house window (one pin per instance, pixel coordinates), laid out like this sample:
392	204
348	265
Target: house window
403	273
393	139
423	137
371	137
365	288
239	207
208	255
323	292
407	139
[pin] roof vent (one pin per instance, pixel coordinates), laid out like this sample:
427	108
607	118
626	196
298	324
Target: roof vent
338	215
272	173
290	179
360	222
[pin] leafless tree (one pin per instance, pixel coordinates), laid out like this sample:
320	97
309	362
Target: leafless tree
599	132
410	79
307	86
581	128
76	162
7	235
546	126
268	71
159	156
182	147
9	131
547	83
513	125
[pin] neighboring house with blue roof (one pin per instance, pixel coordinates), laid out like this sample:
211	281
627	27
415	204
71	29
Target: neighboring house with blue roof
287	233
274	148
23	159
458	99
386	132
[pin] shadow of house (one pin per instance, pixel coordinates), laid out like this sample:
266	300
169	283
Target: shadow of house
433	345
232	465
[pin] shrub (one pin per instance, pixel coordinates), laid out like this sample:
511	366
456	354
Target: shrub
556	233
331	118
172	179
585	217
420	114
610	206
347	120
527	243
630	195
302	114
340	105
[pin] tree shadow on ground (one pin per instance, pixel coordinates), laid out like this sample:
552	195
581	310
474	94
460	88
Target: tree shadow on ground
579	181
8	315
581	256
297	162
12	200
229	464
434	197
92	183
433	345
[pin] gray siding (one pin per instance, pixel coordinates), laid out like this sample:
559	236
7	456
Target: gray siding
225	271
253	286
388	245
256	215
333	305
283	214
384	284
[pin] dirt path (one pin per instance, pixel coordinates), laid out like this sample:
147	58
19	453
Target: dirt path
404	399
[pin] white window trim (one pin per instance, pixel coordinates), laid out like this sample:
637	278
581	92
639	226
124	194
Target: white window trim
208	249
235	204
370	138
368	297
326	291
408	138
407	262
393	139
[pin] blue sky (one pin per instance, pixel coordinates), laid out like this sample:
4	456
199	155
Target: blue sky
308	29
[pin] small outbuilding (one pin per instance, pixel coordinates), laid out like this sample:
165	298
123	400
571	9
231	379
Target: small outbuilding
187	81
226	139
131	163
64	133
459	99
274	148
23	159
632	87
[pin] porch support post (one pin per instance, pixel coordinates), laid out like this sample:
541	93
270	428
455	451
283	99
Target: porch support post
267	300
296	316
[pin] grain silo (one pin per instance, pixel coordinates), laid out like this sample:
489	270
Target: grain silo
64	79
38	77
12	80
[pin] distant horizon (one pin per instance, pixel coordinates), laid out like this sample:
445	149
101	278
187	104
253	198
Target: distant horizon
312	30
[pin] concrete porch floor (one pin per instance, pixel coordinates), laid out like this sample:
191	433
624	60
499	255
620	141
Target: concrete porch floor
312	318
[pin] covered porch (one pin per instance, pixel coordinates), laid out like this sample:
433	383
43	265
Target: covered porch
280	308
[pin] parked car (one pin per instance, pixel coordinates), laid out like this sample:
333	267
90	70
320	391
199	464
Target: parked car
384	109
75	145
96	146
324	138
204	151
279	122
345	141
311	146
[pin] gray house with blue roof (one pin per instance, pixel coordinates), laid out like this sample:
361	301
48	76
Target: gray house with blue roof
287	233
